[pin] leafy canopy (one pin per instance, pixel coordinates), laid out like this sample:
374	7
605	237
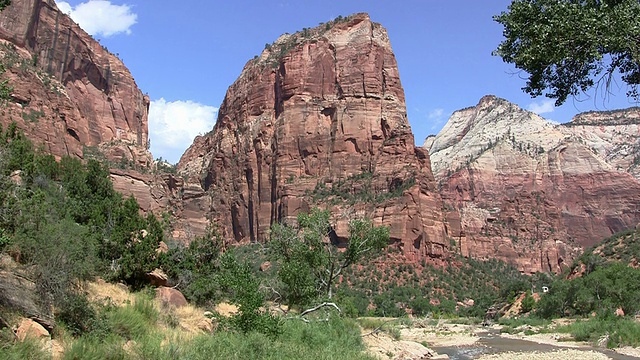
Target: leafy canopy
67	222
311	256
567	46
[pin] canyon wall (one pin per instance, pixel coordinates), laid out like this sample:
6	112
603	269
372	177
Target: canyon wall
70	95
319	119
535	193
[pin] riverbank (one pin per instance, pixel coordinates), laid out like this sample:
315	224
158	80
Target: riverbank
445	339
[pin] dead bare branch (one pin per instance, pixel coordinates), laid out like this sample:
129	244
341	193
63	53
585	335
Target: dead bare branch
316	308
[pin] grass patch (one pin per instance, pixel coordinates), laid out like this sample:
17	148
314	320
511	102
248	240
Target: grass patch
619	331
93	347
515	325
370	323
30	349
388	325
138	331
466	321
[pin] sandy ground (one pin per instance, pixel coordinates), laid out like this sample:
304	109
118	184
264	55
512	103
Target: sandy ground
382	346
555	339
564	341
564	354
442	335
412	339
629	351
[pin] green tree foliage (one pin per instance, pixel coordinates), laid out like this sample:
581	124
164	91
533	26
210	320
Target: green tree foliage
67	222
195	268
245	291
568	45
309	256
602	291
528	302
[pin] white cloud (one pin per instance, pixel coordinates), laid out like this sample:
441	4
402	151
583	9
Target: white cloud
436	119
101	17
174	124
436	113
543	107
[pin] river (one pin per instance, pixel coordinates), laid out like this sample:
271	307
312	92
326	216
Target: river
492	343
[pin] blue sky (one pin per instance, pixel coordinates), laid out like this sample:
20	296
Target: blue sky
186	54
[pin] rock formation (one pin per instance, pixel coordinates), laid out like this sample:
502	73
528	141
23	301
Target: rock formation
531	192
70	94
614	136
319	118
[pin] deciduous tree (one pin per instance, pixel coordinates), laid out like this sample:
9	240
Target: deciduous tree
568	46
309	258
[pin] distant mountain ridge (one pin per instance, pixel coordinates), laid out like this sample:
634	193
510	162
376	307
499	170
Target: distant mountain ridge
532	192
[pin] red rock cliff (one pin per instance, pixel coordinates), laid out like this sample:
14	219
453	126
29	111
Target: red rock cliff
70	94
319	118
530	192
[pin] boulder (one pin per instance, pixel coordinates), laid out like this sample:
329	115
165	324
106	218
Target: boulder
157	278
170	297
31	329
265	266
18	293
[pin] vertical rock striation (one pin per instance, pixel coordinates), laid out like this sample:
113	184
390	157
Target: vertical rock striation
319	118
70	94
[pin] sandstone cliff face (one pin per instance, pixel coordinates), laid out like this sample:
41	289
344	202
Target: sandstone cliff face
614	136
530	192
319	118
70	94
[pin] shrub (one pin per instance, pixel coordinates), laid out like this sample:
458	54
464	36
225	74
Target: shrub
77	314
620	331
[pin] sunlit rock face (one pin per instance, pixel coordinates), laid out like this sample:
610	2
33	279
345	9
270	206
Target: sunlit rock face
70	95
532	192
319	118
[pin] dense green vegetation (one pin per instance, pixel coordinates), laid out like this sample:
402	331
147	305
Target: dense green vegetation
432	290
567	46
358	189
140	331
66	221
602	283
310	260
606	282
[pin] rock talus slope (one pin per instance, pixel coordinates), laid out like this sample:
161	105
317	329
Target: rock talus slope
319	118
69	94
531	192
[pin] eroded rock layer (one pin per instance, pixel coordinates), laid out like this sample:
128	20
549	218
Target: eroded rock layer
69	94
319	118
533	193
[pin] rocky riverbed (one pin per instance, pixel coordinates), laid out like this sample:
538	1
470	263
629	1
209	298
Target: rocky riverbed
446	340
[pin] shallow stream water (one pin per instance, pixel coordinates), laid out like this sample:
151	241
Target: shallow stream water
493	343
